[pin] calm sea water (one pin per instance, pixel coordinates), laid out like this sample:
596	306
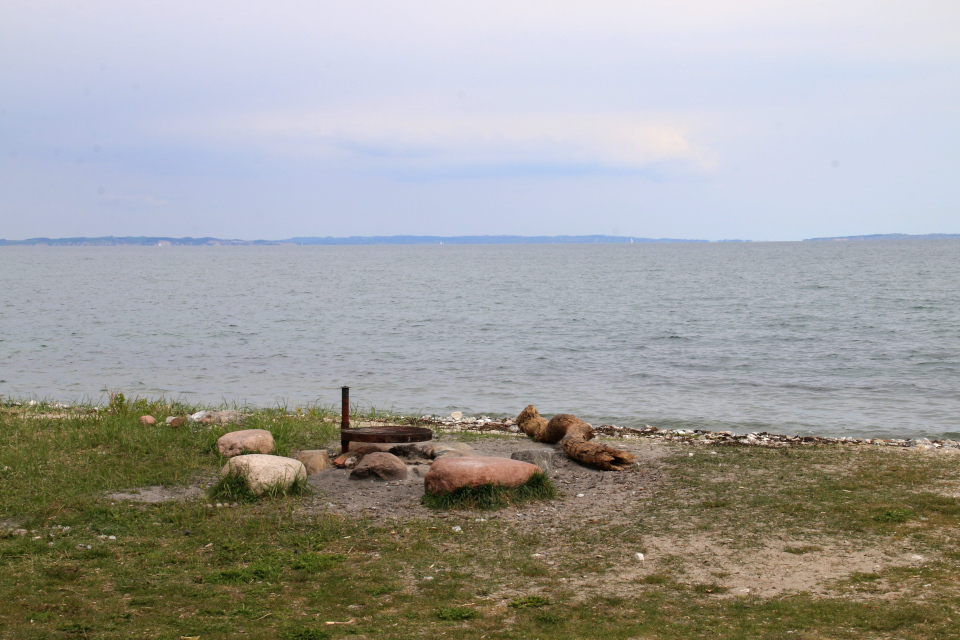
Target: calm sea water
826	338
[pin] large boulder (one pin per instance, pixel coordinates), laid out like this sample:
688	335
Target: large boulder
382	465
530	421
238	443
449	474
262	473
564	424
314	460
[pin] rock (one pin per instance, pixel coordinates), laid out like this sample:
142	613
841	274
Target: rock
412	451
439	450
237	443
262	473
170	419
176	423
147	420
356	451
448	474
457	415
543	458
530	421
382	465
367	447
314	460
198	416
562	425
420	470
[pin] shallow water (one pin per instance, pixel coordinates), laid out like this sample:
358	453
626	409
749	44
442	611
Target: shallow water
826	338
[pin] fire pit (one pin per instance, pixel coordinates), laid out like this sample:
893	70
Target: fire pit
385	433
390	434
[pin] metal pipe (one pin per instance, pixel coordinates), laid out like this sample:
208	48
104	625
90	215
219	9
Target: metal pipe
344	418
345	407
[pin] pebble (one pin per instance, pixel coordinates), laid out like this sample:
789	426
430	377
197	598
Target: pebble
639	557
457	529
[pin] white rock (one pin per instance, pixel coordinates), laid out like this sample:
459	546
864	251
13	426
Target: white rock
171	419
457	529
639	557
262	472
456	415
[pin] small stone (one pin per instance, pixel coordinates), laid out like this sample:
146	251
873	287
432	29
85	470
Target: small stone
639	557
543	458
380	465
456	529
111	537
177	422
147	420
315	460
457	415
209	506
579	495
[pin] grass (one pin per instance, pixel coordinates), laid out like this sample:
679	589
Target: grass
491	496
275	568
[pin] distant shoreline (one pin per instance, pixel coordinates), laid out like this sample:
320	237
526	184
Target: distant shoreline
155	241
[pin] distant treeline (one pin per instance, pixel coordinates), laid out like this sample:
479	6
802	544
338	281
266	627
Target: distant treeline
482	240
142	241
136	241
890	236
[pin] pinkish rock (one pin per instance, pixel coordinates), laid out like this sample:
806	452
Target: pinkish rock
382	465
238	443
448	474
147	420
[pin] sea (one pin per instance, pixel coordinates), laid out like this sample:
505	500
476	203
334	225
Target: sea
814	338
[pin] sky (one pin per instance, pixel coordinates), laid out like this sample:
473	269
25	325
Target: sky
685	119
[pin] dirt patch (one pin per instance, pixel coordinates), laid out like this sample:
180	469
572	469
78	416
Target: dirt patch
584	491
157	494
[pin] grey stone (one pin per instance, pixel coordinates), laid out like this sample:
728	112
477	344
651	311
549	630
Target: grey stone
543	458
314	460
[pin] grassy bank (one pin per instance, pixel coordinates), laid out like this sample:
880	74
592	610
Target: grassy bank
738	542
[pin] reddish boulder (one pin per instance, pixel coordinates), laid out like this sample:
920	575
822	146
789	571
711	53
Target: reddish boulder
382	465
448	474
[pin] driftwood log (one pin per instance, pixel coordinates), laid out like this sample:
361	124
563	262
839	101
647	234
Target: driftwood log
574	436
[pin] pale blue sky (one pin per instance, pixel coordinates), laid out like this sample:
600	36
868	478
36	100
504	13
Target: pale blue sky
759	120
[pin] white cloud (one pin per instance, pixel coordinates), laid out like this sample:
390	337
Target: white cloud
421	142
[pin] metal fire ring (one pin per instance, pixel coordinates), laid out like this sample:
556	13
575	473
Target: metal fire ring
383	434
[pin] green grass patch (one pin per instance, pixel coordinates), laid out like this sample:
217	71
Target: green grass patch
894	515
456	613
529	602
799	551
488	497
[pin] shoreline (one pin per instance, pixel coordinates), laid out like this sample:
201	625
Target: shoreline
697	436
